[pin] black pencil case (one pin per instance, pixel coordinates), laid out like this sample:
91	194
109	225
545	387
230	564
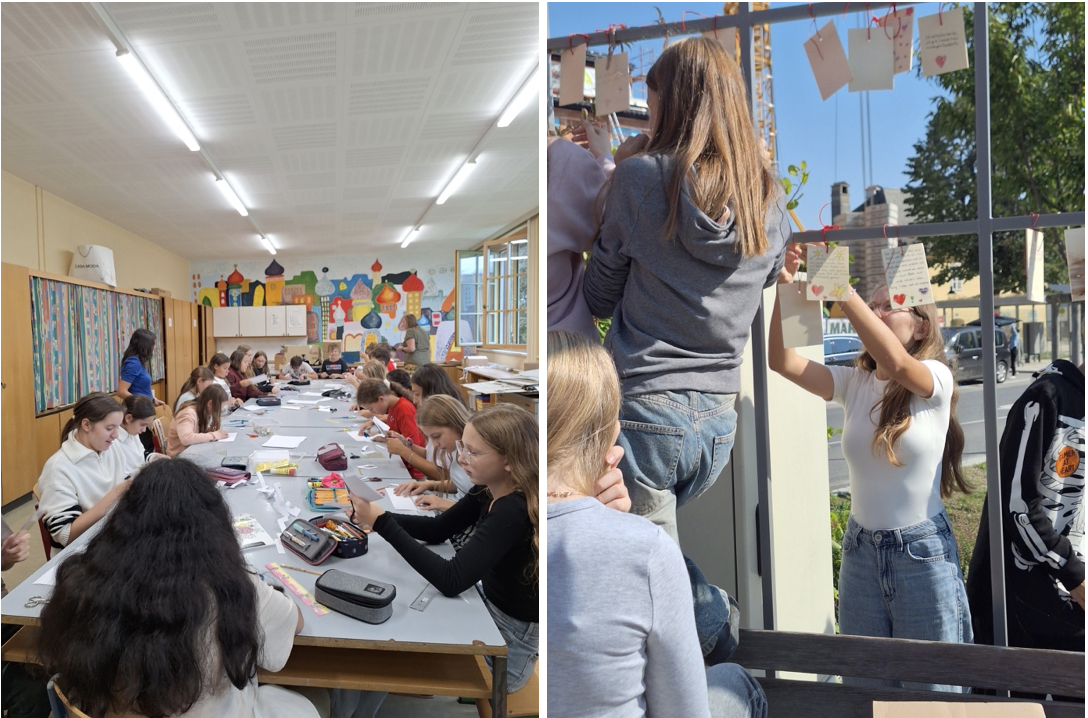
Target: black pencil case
268	401
361	598
345	547
307	541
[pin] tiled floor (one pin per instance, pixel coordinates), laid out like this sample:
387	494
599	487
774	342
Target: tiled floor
394	707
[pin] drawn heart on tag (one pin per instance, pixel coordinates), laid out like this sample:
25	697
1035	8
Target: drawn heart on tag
817	290
940	60
900	298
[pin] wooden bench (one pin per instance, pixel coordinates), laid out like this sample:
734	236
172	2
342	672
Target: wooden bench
986	667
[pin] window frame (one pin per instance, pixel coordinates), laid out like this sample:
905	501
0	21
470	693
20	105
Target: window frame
506	289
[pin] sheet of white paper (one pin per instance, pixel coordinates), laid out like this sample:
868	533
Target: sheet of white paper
303	401
310	393
327	409
942	43
828	273
402	503
802	321
1034	255
828	60
49	578
572	75
872	59
907	275
260	378
284	442
380	424
292	408
530	374
613	84
355	435
1074	254
252	407
230	437
900	28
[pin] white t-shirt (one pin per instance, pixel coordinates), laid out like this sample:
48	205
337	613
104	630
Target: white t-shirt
223	383
885	496
131	450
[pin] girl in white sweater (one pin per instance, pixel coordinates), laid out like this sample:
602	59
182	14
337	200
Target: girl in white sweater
82	481
139	416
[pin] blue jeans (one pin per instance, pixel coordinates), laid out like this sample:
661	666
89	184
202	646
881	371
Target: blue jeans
522	645
675	445
733	693
903	583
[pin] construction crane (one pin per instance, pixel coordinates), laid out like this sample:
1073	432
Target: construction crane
764	99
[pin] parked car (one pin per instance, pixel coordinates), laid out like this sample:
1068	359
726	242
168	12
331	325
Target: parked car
841	349
964	352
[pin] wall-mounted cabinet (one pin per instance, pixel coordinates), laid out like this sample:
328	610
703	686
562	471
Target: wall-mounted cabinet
281	321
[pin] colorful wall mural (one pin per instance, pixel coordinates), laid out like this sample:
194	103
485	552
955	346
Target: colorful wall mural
347	300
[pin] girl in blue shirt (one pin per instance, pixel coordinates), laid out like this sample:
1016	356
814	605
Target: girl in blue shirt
136	375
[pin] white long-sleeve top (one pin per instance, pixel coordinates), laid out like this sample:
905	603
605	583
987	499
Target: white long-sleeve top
131	450
72	481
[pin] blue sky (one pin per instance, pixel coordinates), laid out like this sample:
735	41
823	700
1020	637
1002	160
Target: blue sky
807	127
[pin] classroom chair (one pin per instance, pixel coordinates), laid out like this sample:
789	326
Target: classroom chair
47	539
158	432
59	703
526	702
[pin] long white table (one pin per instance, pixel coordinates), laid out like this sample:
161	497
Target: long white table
452	630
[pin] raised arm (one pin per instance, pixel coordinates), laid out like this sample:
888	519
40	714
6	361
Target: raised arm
811	376
887	351
609	263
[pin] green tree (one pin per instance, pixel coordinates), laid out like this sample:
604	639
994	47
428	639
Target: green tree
1037	141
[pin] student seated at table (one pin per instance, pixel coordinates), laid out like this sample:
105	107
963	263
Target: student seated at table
370	369
197	421
161	616
220	366
384	353
241	386
298	369
432	379
498	451
80	483
396	404
442	420
334	367
259	365
139	416
198	381
400	376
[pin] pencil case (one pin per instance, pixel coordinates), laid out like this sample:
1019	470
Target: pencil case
361	598
227	475
268	401
327	499
307	541
328	481
351	541
332	457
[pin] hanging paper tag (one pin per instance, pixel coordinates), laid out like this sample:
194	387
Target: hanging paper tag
1074	254
899	26
828	274
1033	247
727	37
802	322
572	75
828	60
872	59
907	275
613	84
942	44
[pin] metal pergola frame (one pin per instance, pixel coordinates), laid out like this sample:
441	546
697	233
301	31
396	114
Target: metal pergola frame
984	226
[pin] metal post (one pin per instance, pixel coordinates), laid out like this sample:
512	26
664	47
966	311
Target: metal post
986	273
1076	309
759	365
1052	324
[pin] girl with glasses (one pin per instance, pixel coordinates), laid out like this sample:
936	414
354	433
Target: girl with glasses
900	574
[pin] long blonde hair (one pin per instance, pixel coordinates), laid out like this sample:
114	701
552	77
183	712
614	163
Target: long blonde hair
703	119
583	406
443	411
513	432
373	369
894	405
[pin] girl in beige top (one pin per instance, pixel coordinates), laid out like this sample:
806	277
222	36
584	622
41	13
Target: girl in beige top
197	421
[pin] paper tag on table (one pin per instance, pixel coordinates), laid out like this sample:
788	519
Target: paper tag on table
1033	247
401	503
230	437
572	75
726	37
942	44
872	59
899	26
284	442
252	407
828	274
907	275
828	60
292	408
304	401
49	578
310	393
802	320
260	379
1074	253
613	84
355	435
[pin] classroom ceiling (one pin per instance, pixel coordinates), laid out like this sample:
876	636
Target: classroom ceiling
337	124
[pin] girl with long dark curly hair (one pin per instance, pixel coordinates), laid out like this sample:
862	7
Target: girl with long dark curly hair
160	616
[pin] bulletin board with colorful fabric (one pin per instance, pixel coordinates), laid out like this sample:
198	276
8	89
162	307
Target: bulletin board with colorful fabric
79	336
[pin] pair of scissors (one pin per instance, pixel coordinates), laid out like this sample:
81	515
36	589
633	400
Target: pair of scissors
35	601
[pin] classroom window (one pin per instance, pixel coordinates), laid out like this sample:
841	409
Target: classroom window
506	290
470	297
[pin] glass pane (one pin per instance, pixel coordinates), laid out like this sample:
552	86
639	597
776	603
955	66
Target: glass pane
492	328
519	248
522	285
493	296
470	329
523	328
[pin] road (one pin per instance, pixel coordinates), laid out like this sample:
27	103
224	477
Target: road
969	411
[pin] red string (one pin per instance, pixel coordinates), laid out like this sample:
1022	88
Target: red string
847	7
570	41
889	224
817	35
827	227
940	14
1035	219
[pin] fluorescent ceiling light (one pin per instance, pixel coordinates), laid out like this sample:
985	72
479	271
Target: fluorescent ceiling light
456	182
268	244
157	99
412	234
231	197
527	92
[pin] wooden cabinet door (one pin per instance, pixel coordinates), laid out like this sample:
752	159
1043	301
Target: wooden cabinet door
251	322
275	321
296	320
18	455
225	321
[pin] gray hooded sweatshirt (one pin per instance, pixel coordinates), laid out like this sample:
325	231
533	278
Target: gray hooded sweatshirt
681	309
